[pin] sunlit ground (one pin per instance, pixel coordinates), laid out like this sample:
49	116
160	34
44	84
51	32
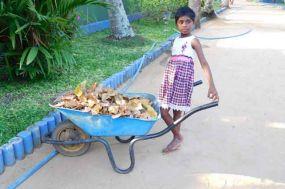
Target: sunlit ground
258	17
261	153
257	40
217	180
229	119
261	38
276	125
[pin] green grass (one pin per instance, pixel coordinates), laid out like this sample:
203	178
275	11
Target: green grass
217	5
24	103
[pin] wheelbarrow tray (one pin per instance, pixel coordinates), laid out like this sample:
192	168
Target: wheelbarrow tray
105	125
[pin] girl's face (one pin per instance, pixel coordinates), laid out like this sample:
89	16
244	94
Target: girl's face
184	25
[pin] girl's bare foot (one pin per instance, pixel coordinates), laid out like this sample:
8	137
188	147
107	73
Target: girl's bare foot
173	145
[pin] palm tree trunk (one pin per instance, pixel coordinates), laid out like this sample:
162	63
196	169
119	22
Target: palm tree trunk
209	6
208	9
195	5
120	25
226	3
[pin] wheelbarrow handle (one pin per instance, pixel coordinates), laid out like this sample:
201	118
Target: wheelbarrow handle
199	82
177	122
194	110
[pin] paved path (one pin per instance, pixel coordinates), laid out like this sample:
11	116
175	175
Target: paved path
240	144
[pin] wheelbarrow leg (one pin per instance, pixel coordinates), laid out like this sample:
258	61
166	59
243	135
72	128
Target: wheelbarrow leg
111	157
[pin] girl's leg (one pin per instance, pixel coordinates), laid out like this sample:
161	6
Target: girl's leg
176	131
166	116
177	137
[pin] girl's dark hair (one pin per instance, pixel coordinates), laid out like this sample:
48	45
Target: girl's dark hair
184	11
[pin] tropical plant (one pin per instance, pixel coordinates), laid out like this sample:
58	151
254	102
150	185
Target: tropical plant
35	35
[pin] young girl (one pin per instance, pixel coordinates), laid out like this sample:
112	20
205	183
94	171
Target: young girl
177	85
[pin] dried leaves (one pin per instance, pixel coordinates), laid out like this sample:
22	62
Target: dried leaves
97	100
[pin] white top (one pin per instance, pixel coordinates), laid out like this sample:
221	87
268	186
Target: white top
182	46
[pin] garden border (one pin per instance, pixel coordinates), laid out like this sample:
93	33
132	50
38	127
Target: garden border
270	3
104	24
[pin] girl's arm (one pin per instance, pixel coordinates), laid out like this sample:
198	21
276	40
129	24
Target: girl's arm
212	92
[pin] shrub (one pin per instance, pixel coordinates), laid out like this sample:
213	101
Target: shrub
157	8
35	35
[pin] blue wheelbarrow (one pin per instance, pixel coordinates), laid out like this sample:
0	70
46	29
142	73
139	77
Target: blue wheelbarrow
74	136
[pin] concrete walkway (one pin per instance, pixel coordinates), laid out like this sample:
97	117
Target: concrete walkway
238	145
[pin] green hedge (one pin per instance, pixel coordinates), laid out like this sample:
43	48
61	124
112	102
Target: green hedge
157	8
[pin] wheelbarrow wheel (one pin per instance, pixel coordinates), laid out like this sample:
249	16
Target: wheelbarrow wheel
122	140
67	131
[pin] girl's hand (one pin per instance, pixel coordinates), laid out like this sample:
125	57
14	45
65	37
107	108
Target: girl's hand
213	94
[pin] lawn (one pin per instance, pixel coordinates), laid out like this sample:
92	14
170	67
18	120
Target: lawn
24	103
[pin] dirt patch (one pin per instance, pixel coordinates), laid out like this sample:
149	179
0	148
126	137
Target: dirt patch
8	98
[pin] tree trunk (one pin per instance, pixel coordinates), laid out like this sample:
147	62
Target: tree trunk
226	3
208	10
209	6
195	5
120	25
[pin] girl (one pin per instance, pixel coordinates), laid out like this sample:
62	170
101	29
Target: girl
177	85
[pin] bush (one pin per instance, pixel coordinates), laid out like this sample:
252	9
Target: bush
157	8
35	36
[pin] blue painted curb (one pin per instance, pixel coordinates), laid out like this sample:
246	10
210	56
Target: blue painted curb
18	145
274	2
8	154
268	3
105	24
28	141
221	10
57	117
51	123
2	166
43	128
36	135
